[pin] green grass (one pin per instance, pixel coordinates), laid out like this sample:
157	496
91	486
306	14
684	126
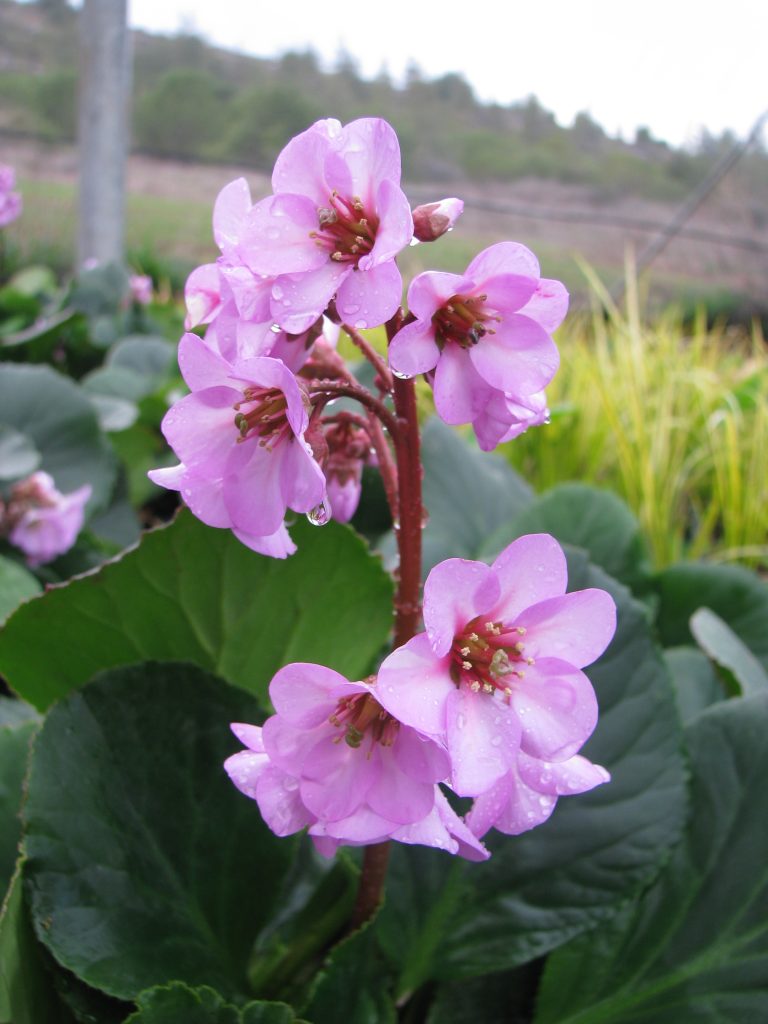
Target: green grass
673	420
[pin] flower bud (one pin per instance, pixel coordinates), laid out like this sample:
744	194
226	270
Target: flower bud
433	219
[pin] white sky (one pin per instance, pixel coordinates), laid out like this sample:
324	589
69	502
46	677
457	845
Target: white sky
673	65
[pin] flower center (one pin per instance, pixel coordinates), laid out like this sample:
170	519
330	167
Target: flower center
346	232
464	320
262	413
487	656
362	714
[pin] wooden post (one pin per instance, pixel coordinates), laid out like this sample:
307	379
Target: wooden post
105	87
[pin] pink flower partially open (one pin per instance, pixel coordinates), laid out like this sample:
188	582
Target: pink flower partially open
10	201
333	227
41	521
240	439
498	670
482	334
333	759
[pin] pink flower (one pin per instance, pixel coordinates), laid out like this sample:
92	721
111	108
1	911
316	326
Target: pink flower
526	796
482	333
334	225
331	759
432	220
349	449
10	201
141	288
504	417
41	520
240	439
497	672
210	286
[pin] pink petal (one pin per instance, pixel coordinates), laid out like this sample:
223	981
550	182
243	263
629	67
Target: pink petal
369	298
431	290
557	708
280	802
460	391
519	358
419	757
252	488
469	846
529	570
268	372
511	807
576	775
364	826
371	151
337	778
249	735
204	497
413	349
201	428
301	480
276	545
506	293
305	695
201	367
413	685
250	292
575	627
398	796
503	258
276	239
483	738
229	212
299	299
395	228
244	769
288	746
202	294
168	476
455	592
299	167
548	304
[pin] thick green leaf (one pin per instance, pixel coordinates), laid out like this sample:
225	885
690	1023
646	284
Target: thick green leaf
505	998
585	517
16	585
13	711
695	949
14	748
741	669
144	863
194	593
148	357
737	595
178	1004
695	680
55	414
27	994
18	455
444	919
468	494
353	985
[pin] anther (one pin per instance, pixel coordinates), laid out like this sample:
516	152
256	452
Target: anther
487	687
466	665
465	652
474	686
521	630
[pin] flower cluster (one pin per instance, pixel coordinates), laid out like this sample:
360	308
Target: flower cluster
253	437
10	201
490	701
40	520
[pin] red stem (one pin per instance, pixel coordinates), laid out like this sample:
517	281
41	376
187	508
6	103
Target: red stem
373	357
408	526
330	389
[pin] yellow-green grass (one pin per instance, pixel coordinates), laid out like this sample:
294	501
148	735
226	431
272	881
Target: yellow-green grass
674	419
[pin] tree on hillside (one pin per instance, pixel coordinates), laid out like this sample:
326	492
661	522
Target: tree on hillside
183	115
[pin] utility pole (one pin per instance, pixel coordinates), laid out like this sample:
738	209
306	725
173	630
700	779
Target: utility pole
105	88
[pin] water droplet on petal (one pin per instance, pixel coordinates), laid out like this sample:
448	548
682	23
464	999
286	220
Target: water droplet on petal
399	375
290	783
351	310
460	721
361	324
320	514
273	233
277	292
496	741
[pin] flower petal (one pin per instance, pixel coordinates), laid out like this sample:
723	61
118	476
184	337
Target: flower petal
455	592
503	258
395	225
276	238
557	707
548	304
229	213
299	299
280	802
460	391
576	775
529	570
483	738
432	289
201	367
398	796
305	695
368	298
413	685
413	349
519	359
574	627
337	778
